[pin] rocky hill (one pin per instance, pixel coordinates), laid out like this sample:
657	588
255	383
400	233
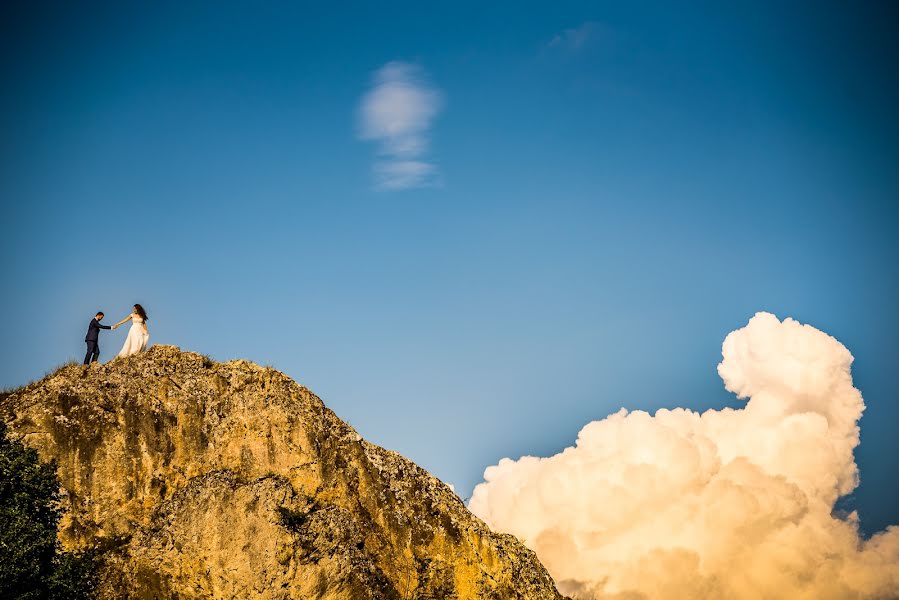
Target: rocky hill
229	480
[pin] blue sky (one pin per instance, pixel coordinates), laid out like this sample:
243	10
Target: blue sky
613	189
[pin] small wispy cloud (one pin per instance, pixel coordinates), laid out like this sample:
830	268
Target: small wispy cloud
397	113
577	38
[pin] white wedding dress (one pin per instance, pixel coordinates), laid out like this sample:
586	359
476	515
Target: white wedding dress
137	338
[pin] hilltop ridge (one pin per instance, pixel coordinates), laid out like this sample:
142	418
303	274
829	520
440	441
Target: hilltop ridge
200	479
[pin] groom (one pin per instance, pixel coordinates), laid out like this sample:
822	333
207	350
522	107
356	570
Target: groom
93	339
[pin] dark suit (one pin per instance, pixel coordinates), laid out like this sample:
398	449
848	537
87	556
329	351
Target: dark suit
93	340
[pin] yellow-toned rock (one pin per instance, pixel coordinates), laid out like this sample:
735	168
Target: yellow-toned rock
207	480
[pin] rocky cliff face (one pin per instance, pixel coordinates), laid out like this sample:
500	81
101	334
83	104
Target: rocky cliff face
201	479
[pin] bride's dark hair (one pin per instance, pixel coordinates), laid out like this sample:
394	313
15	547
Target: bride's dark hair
141	312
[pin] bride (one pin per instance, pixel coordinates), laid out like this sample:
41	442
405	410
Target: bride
138	335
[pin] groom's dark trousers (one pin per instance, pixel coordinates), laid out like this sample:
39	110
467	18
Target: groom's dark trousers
93	353
93	341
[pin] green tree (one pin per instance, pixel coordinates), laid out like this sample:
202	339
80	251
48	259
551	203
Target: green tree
32	564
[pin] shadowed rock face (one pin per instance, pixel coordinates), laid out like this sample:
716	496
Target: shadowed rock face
230	480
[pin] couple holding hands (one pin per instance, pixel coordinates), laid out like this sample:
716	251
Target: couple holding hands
137	339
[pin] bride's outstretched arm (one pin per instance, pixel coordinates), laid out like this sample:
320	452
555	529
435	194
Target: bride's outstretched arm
125	320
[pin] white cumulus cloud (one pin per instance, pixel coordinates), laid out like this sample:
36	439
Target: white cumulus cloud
731	503
397	113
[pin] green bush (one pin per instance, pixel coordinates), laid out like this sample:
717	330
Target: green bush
32	564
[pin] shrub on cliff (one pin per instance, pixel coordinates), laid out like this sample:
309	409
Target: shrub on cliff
32	565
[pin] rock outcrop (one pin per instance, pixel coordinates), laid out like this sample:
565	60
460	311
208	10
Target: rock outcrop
200	479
